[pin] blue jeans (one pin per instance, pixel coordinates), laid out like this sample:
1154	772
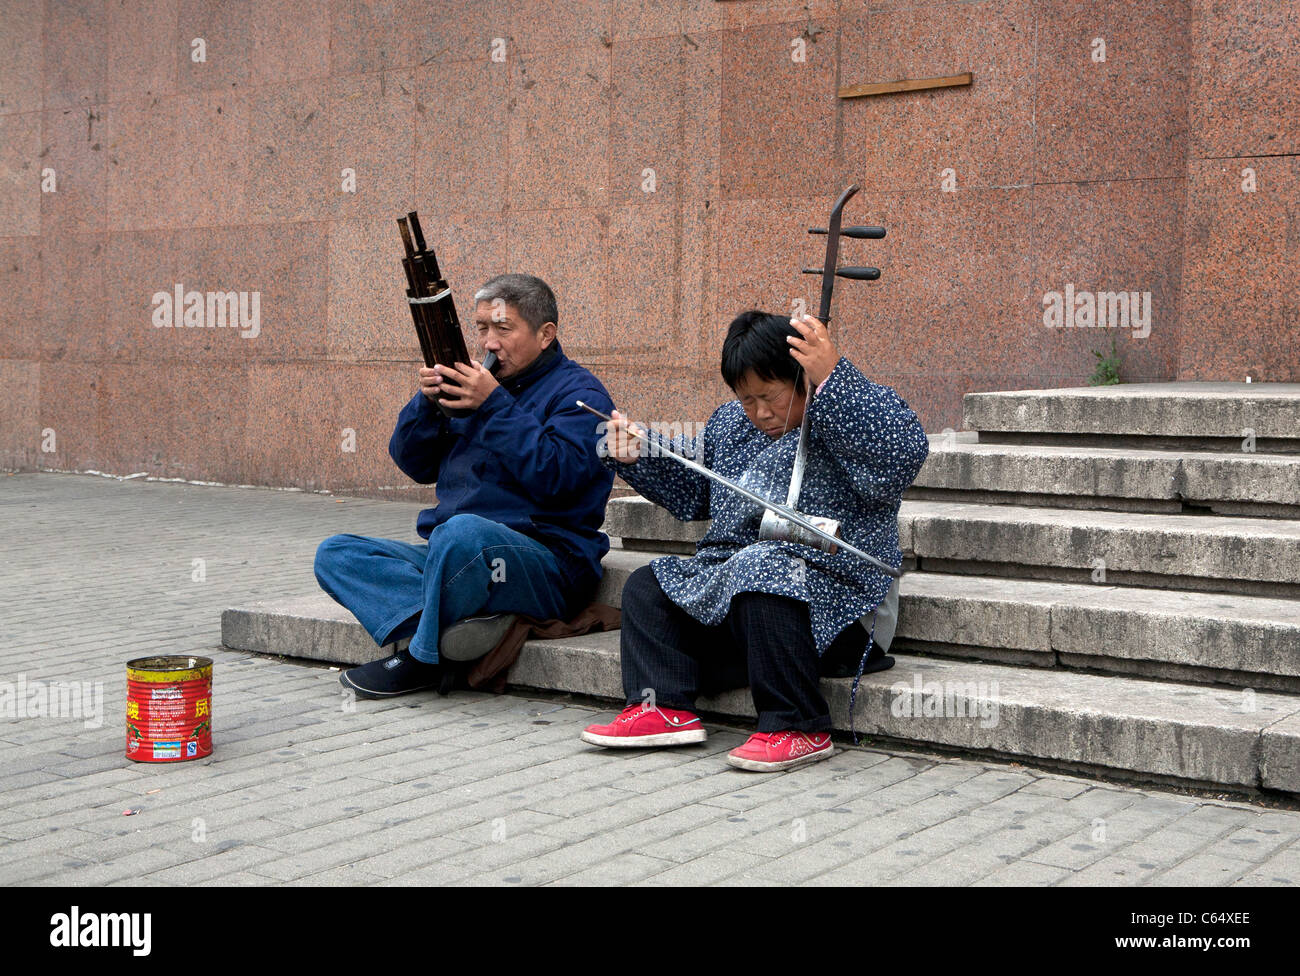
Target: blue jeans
469	566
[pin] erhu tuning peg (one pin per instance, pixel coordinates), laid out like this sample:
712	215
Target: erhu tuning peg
859	274
868	231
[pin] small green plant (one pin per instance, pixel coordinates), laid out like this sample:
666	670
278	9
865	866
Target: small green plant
1107	371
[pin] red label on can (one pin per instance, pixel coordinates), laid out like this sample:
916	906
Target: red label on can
168	709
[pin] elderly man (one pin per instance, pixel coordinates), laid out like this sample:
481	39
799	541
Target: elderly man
771	614
521	498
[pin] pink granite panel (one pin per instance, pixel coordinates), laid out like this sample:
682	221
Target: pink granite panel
207	424
21	261
368	314
226	29
560	25
1240	314
138	266
699	199
287	265
1114	238
299	416
576	270
142	57
472	247
778	114
134	411
374	35
647	18
290	161
69	398
73	144
559	129
955	273
22	57
645	294
462	30
461	137
707	15
646	130
1124	117
75	54
983	132
667	394
183	421
277	274
374	137
178	161
702	115
697	274
73	305
21	163
761	246
1247	72
290	41
20	430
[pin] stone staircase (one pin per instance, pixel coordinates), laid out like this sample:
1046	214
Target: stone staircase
1106	578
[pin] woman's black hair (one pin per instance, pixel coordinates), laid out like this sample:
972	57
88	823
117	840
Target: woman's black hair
756	344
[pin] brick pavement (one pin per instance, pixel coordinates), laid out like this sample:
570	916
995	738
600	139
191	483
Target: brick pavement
305	787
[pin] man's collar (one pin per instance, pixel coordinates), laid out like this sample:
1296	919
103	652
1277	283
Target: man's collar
545	361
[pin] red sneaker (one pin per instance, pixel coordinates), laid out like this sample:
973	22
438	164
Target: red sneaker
640	726
768	752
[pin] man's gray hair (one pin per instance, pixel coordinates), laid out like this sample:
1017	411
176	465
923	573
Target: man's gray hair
531	297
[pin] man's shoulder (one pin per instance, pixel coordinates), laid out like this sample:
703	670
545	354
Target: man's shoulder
573	377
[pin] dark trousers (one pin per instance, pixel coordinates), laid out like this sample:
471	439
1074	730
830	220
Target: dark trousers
765	642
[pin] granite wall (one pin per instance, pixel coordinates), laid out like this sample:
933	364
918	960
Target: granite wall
657	163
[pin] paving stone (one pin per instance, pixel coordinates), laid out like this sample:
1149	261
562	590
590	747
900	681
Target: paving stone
300	792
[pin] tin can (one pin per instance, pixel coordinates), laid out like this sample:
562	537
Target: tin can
168	708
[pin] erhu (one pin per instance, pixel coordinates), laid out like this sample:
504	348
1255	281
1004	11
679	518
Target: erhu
784	523
775	526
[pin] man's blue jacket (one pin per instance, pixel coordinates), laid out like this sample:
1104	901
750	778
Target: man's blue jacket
525	458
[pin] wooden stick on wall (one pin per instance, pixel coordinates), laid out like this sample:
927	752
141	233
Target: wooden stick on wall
906	85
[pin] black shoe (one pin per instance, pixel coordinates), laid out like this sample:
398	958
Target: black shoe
396	675
845	667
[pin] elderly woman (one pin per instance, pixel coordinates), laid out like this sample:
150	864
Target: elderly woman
771	614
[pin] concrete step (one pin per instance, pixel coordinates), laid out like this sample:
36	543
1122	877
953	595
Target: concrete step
1155	730
1205	638
1238	738
1129	479
1209	553
641	524
1199	416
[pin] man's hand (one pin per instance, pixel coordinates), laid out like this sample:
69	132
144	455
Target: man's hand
814	351
463	387
430	383
621	445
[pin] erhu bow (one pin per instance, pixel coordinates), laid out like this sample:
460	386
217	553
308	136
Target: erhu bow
784	523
